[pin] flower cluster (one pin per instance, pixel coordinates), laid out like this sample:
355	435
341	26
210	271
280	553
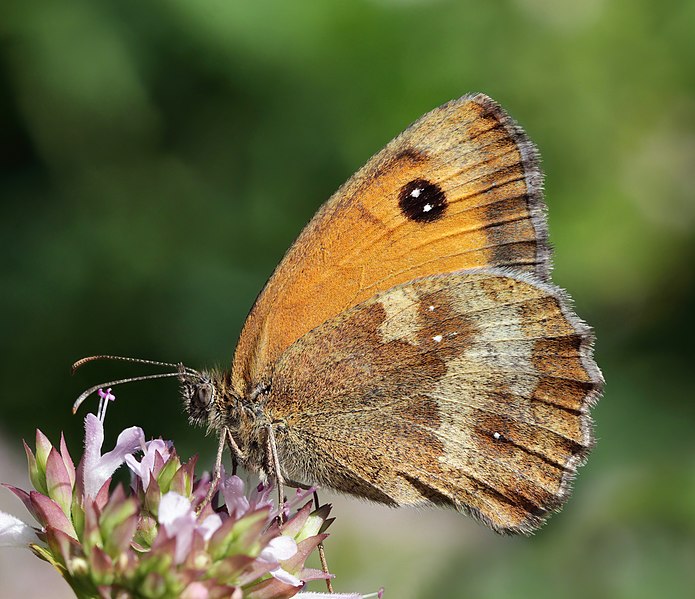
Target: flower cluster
160	537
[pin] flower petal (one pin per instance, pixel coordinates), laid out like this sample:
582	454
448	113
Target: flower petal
295	524
261	497
195	590
156	452
278	549
43	448
153	496
67	460
286	577
97	469
270	588
58	481
51	514
128	442
308	574
23	497
182	482
172	508
178	520
304	549
208	526
93	440
301	496
37	478
103	494
14	532
62	546
233	492
200	488
101	565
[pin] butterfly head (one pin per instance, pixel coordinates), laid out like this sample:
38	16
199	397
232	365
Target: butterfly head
207	398
198	393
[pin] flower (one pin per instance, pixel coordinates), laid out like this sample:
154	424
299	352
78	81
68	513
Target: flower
179	520
156	454
14	532
97	468
235	498
159	537
279	550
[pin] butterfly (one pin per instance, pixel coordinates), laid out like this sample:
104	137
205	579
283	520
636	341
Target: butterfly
410	348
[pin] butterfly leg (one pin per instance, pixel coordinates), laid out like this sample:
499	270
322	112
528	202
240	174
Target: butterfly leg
275	468
237	454
322	550
280	482
216	473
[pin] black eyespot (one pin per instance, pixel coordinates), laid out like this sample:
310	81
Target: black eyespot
422	201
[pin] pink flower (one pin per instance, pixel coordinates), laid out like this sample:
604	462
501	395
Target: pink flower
238	504
195	590
156	454
97	468
278	550
14	532
159	537
232	489
179	520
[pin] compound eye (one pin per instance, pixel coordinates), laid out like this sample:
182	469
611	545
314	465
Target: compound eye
203	396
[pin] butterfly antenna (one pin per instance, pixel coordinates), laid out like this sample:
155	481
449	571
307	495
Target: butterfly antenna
91	390
84	361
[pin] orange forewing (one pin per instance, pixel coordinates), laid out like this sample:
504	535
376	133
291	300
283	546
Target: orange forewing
361	242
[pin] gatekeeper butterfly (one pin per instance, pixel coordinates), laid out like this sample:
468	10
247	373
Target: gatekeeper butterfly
410	348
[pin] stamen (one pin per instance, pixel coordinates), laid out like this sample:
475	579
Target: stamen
104	399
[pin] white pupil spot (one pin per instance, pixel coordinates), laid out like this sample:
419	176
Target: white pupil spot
437	338
427	207
431	308
497	436
416	192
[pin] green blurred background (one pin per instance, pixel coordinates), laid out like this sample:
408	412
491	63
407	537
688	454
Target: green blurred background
157	158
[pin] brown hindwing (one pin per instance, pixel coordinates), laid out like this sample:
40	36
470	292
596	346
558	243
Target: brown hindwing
459	189
470	389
